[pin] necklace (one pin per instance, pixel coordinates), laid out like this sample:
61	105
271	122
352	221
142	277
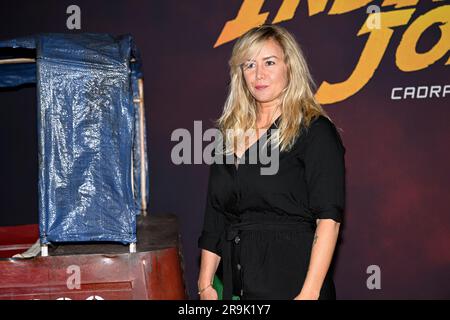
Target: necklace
271	120
255	134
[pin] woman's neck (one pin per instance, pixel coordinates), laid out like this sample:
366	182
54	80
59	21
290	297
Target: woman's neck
267	113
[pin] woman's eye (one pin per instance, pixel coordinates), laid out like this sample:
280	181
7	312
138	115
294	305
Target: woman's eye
270	62
249	65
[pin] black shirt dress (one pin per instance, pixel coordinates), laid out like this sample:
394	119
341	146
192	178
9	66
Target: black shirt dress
263	226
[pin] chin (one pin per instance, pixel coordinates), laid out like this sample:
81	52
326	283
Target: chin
263	99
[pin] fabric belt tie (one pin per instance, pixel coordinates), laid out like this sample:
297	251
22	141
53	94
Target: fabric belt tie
231	236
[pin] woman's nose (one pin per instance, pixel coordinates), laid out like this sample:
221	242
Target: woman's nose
259	73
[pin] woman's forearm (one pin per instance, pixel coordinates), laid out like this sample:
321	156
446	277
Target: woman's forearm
324	243
209	263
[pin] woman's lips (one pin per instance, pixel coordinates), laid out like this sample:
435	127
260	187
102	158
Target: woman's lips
261	87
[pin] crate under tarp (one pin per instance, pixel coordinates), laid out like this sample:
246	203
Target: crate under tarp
107	270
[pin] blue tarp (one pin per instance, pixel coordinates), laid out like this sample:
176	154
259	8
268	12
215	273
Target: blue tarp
89	135
12	75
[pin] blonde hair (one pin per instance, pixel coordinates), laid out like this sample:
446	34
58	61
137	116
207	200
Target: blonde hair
298	107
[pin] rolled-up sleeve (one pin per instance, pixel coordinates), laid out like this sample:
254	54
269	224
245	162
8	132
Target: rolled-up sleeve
325	170
214	222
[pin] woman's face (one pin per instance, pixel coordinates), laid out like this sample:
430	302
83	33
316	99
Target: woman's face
266	74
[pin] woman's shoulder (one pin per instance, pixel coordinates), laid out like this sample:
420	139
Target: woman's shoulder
321	123
322	130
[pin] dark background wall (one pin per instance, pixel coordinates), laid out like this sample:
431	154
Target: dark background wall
397	214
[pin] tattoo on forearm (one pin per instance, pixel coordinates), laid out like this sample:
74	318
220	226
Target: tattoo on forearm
315	239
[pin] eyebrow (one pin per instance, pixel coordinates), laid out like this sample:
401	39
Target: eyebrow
265	58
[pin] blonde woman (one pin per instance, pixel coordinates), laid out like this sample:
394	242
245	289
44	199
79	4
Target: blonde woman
274	233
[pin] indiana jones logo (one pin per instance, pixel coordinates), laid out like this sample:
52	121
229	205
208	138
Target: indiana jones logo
398	13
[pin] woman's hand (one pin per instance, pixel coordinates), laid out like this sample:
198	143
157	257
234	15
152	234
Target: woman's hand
209	294
208	267
321	254
307	296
